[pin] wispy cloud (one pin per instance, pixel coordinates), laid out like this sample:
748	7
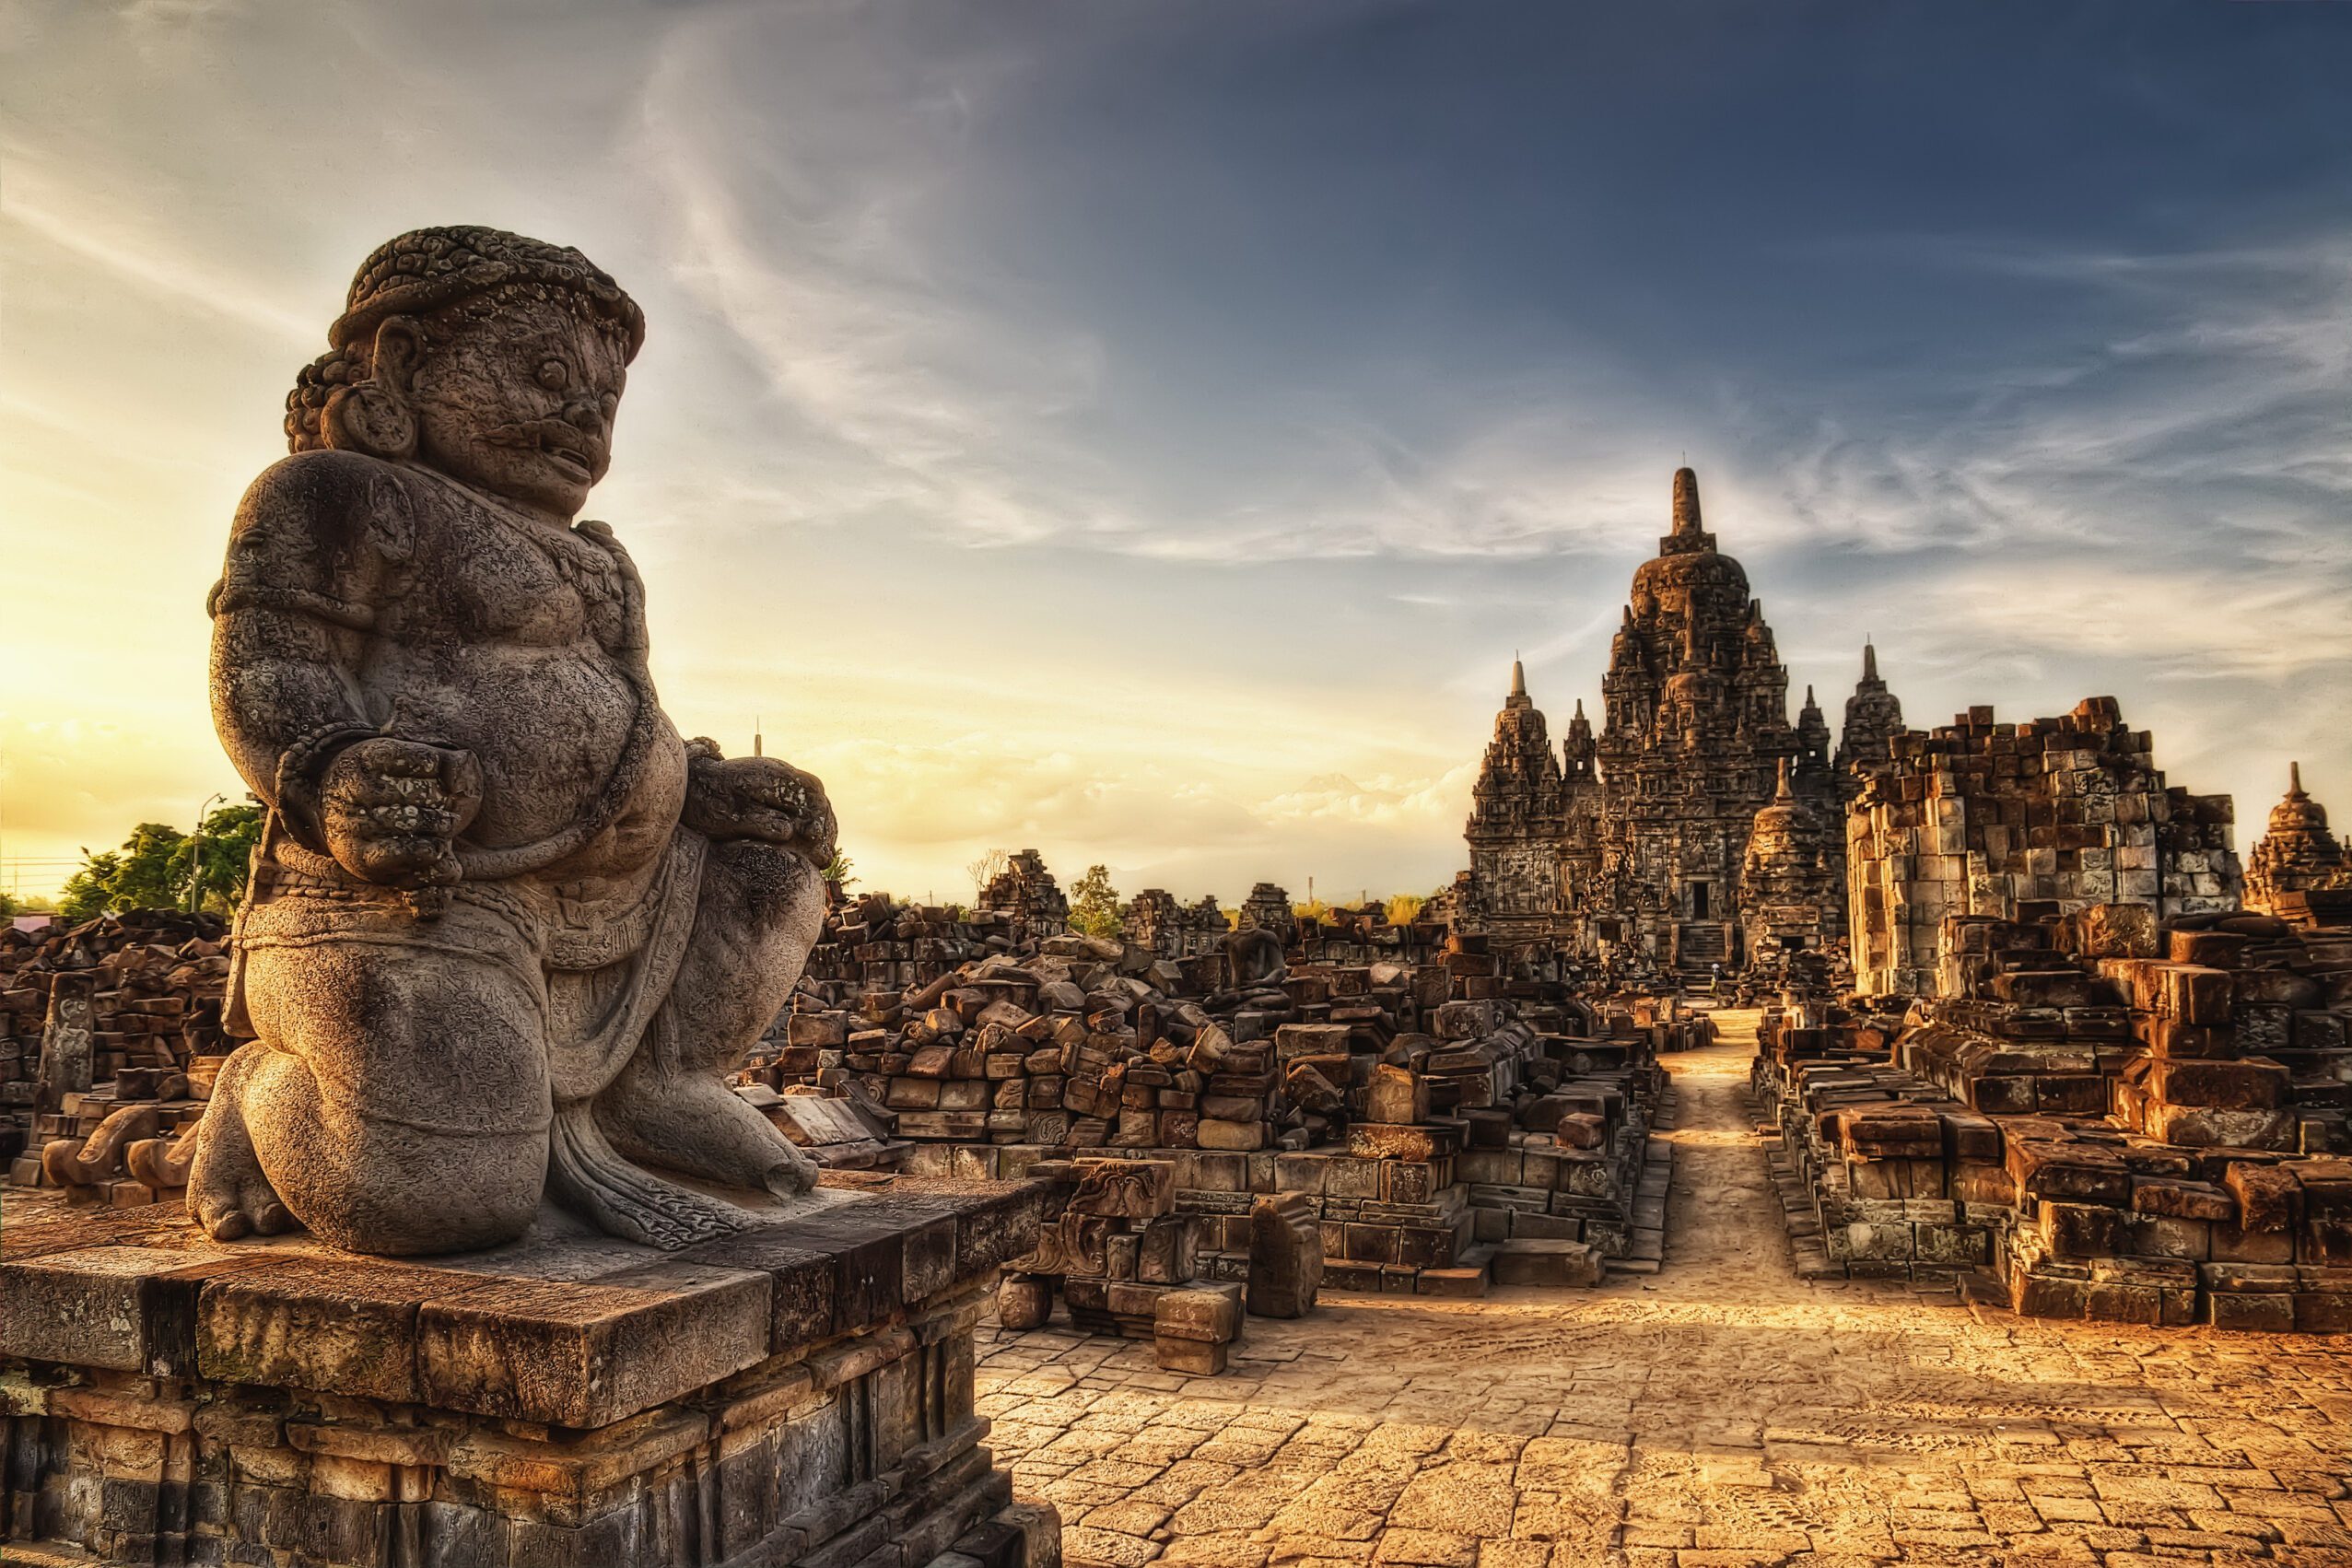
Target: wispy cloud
1149	433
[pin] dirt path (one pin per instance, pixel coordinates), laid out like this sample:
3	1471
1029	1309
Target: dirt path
1721	1412
1724	1237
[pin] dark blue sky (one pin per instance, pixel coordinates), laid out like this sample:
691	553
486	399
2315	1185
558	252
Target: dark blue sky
1196	404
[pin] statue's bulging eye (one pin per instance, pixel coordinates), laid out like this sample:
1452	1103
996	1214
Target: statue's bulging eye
609	406
552	374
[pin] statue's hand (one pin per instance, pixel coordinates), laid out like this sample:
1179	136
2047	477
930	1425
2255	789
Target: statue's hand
758	797
392	809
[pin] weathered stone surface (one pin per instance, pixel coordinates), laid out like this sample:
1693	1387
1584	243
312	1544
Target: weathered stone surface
1539	1262
127	1308
324	1323
592	1401
1025	1301
1285	1256
587	1355
438	1035
1129	1189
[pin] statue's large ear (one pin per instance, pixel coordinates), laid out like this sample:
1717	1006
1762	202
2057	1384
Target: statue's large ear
400	347
377	417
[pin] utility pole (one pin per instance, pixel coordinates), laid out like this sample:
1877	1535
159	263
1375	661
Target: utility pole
196	857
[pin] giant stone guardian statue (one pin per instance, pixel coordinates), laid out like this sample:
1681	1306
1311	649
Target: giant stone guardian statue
507	930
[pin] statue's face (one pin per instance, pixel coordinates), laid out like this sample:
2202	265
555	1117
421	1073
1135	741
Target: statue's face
521	406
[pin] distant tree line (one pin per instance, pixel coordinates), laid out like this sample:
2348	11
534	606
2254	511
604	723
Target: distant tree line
159	867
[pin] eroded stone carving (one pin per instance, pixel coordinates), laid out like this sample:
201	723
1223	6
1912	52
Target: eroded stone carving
506	928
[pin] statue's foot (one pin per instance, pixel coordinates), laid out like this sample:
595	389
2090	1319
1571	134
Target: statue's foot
227	1194
692	1122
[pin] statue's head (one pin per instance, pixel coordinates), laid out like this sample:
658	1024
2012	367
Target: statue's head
496	359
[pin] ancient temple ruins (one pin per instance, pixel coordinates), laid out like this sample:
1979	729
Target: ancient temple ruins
1637	840
2298	869
1988	820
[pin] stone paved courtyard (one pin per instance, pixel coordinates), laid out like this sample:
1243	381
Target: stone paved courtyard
1723	1412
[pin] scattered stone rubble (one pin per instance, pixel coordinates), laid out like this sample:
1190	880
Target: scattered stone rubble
2105	1115
109	1037
1028	893
1123	1259
1154	920
1430	1107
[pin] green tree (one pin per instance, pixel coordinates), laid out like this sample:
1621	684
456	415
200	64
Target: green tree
1093	904
1403	907
228	839
837	870
137	876
157	868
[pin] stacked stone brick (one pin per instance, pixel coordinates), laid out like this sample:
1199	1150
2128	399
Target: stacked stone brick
2091	1130
1268	908
1026	893
1123	1259
1155	920
1979	817
118	1012
1348	1082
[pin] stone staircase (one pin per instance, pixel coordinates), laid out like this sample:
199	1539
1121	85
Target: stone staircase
1702	944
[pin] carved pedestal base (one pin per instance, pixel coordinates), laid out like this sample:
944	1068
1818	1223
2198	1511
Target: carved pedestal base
802	1396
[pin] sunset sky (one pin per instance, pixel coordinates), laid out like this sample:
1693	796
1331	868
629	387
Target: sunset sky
1145	431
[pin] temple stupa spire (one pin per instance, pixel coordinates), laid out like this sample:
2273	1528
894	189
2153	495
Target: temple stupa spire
1690	534
1686	501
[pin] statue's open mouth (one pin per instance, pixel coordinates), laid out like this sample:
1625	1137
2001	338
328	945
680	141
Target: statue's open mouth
559	441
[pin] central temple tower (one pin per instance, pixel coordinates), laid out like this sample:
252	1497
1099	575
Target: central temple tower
1694	734
1645	825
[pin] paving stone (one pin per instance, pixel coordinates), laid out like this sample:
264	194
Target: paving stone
1723	1410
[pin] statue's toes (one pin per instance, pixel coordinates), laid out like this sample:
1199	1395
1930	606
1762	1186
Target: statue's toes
225	1222
790	1176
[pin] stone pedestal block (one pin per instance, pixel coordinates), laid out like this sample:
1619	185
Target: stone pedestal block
795	1395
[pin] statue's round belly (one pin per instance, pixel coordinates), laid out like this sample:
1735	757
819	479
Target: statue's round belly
548	725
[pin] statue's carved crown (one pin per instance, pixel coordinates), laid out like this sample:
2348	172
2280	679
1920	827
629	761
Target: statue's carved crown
427	272
417	273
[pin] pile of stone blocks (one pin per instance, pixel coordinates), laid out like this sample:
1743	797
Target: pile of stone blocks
1075	1043
1353	1079
1154	920
1979	816
1579	1166
873	945
1124	1259
110	1035
1026	895
2102	1131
